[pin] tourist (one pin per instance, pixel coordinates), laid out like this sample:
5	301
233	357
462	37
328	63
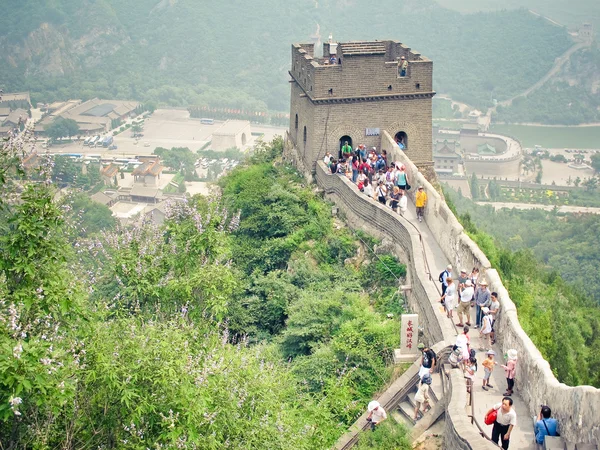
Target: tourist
403	203
333	167
403	66
355	164
470	371
510	370
462	278
362	152
394	198
428	359
389	179
463	306
494	308
327	159
346	150
376	414
488	367
420	202
464	343
444	277
367	188
474	276
482	298
505	421
422	396
456	357
449	297
402	178
486	328
545	425
381	193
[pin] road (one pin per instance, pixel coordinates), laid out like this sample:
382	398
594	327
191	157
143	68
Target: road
562	209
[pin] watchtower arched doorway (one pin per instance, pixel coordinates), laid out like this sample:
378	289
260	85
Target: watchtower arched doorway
343	141
244	139
401	139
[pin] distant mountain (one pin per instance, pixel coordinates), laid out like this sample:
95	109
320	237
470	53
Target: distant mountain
236	53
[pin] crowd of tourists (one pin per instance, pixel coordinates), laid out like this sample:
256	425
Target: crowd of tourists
385	181
465	295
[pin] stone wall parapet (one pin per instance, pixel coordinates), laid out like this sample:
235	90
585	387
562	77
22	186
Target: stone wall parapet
576	408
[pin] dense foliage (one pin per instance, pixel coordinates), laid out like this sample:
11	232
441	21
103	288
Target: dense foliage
548	263
236	55
241	322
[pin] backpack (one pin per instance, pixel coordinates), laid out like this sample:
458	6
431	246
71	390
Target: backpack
441	277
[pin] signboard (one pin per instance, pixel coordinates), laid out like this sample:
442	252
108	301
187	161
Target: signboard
372	132
410	334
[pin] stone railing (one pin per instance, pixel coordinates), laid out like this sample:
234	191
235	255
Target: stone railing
364	213
576	408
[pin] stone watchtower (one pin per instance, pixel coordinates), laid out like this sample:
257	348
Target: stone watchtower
354	93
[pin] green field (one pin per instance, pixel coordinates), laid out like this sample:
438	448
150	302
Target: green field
552	137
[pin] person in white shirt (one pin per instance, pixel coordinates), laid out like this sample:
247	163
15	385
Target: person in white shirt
376	414
402	203
486	329
368	189
465	303
505	421
449	297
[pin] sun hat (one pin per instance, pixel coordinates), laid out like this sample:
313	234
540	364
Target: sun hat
421	345
491	352
426	379
485	309
468	283
372	405
463	271
512	354
483	283
449	267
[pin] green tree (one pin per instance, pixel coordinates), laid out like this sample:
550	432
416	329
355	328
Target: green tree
62	127
596	162
474	186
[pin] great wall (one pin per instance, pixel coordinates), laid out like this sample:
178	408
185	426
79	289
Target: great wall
322	114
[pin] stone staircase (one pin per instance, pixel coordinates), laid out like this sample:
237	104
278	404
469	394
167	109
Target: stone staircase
404	411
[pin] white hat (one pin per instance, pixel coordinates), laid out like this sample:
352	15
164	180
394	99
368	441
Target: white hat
512	354
449	267
483	283
485	309
491	352
468	283
372	405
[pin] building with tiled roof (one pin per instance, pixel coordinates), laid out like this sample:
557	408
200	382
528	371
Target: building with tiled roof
148	173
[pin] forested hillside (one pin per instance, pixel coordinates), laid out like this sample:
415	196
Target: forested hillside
572	97
236	54
251	321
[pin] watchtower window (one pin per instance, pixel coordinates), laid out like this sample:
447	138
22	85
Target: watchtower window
344	140
401	139
296	123
304	137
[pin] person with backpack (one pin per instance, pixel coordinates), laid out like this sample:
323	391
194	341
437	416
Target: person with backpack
428	360
545	425
443	278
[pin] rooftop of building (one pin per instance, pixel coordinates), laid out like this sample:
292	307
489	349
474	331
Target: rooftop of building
153	168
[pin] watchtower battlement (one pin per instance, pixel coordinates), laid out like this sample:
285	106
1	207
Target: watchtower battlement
361	69
354	92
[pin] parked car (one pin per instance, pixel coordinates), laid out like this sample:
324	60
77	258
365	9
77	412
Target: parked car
112	147
146	144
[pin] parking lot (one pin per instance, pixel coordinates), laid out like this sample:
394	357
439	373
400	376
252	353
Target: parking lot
165	128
